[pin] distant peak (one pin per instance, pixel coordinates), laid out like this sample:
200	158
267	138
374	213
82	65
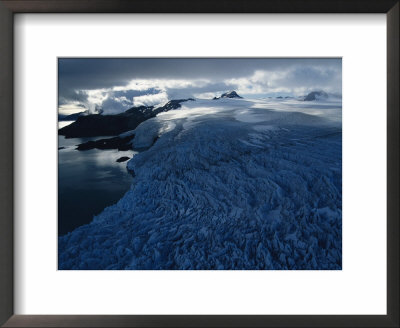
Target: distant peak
315	95
230	94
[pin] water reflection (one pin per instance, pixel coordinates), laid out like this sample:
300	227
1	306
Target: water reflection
88	181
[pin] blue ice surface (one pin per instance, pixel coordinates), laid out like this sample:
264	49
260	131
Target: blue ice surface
224	194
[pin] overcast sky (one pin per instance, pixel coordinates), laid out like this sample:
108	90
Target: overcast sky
115	85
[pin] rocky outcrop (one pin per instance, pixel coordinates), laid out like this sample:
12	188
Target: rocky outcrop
120	143
230	94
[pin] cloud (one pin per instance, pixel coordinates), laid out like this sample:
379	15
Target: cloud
161	84
72	95
292	80
109	101
207	95
71	108
151	100
120	100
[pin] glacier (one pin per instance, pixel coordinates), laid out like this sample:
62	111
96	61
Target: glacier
226	184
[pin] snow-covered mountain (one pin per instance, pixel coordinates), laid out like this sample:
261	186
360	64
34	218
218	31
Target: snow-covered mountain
230	94
228	184
103	125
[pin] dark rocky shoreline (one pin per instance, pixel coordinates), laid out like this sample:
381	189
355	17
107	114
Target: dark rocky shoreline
120	143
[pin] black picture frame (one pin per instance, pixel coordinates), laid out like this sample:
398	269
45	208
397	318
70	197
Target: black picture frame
10	7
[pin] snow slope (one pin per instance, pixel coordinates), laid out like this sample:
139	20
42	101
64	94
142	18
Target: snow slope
225	184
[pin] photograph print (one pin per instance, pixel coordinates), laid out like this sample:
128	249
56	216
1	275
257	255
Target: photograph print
199	164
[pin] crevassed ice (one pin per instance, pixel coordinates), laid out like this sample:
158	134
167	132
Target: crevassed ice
218	192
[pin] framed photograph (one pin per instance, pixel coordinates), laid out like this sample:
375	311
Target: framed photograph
229	170
208	164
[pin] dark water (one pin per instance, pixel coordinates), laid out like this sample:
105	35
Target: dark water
88	181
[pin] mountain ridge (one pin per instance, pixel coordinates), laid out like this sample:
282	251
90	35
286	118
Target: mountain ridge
95	125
